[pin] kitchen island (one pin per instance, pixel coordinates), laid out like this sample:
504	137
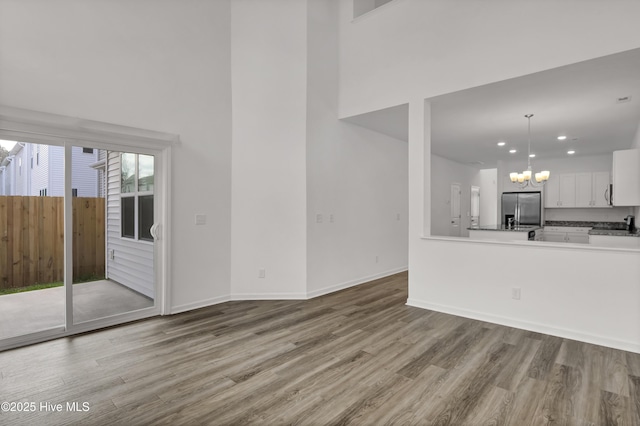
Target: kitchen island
504	233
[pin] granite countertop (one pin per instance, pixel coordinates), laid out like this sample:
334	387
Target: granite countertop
615	229
519	228
583	224
615	232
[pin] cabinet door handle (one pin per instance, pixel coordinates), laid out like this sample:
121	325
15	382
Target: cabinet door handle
606	195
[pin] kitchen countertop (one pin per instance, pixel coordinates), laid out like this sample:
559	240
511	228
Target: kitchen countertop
523	228
614	232
583	224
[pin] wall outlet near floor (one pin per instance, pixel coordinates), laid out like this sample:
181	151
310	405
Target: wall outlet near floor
515	293
262	273
200	219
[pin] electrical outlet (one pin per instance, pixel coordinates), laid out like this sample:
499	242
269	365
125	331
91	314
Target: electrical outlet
262	273
200	219
319	218
515	293
112	254
331	219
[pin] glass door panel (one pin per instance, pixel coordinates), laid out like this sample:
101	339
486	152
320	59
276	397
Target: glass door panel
113	246
32	297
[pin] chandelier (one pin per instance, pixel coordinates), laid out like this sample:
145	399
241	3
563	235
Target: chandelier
524	179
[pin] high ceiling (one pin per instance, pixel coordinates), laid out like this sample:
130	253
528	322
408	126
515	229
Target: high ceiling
579	101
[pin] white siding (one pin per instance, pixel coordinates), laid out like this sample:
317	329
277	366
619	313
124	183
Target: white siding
102	175
40	171
84	178
132	265
56	171
21	172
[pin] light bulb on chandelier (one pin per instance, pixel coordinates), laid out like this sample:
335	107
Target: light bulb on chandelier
524	179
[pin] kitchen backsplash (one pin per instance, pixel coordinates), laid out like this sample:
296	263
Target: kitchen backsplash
614	214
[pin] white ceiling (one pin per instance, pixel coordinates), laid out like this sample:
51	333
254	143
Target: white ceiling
579	101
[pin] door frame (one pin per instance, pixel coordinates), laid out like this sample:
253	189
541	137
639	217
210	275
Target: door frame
52	129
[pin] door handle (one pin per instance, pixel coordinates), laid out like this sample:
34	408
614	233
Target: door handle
154	231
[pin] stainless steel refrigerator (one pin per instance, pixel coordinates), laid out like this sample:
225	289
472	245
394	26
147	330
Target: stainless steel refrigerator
524	207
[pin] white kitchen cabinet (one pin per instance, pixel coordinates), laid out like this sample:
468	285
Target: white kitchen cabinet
555	237
577	237
560	191
577	190
568	190
626	177
614	242
566	234
552	192
592	189
584	189
601	189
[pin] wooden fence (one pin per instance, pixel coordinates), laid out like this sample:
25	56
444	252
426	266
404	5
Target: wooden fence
32	239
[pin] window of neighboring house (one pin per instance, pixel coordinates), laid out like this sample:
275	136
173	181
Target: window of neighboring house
87	150
136	195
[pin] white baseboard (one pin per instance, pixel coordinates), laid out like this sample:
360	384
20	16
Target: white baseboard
630	346
199	304
268	296
351	283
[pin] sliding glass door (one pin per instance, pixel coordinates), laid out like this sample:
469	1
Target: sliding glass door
32	297
79	240
113	224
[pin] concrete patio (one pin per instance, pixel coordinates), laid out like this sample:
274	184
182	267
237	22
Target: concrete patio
32	311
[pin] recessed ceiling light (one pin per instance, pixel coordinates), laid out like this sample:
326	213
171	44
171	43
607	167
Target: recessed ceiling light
512	151
502	143
561	138
571	152
531	155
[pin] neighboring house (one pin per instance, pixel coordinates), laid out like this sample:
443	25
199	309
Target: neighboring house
36	169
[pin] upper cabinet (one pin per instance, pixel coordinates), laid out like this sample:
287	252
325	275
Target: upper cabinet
592	189
577	190
626	177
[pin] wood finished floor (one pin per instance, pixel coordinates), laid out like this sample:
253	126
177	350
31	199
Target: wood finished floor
359	356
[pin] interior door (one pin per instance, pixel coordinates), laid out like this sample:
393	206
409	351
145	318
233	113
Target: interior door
456	226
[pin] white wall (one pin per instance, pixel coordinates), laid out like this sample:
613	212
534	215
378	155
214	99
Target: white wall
444	172
355	175
269	148
489	201
155	64
418	49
